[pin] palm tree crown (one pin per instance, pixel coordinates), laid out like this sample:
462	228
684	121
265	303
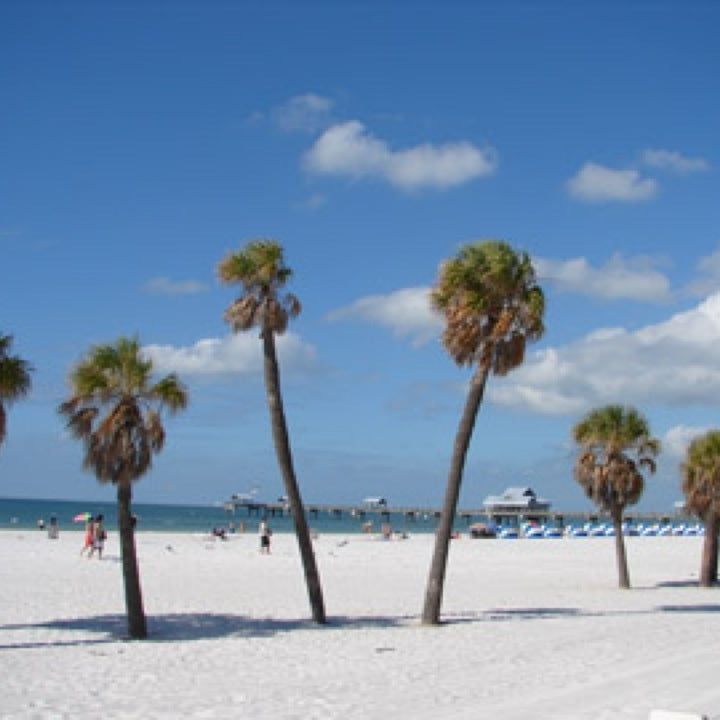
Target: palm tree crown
615	446
14	380
261	270
492	305
701	474
115	409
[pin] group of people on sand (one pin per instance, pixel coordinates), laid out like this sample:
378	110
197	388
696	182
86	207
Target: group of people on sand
95	536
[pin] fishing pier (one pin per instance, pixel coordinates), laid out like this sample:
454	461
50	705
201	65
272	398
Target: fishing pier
419	514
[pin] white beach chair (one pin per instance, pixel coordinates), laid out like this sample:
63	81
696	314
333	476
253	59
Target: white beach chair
670	715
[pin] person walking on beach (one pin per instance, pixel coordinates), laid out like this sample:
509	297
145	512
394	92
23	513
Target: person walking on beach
265	533
89	536
99	536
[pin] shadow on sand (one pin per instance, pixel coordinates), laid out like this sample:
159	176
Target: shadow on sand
551	613
173	627
188	627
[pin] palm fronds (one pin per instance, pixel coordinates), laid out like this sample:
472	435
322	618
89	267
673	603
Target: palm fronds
261	271
15	380
116	411
615	447
492	305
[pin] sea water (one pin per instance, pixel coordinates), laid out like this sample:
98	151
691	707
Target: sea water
23	514
18	513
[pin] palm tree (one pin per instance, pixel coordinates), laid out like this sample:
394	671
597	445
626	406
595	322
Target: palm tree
261	271
14	380
615	446
493	308
115	410
701	485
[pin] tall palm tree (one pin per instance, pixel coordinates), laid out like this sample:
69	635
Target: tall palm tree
14	380
615	446
493	307
115	409
701	485
261	271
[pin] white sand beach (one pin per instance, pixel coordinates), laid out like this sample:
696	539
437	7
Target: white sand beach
536	629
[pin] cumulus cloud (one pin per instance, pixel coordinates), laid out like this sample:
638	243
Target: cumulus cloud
676	440
672	363
619	278
708	280
305	113
674	161
406	312
347	149
232	354
597	183
166	286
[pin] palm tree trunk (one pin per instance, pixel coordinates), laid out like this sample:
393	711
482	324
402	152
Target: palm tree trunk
709	562
623	574
137	627
436	579
284	456
3	423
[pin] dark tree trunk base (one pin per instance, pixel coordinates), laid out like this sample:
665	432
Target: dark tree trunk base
709	561
623	574
281	439
137	625
438	566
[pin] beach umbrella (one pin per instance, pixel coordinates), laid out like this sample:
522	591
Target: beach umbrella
82	517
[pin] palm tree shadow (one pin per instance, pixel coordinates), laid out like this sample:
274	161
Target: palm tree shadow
508	614
677	584
689	608
550	613
172	627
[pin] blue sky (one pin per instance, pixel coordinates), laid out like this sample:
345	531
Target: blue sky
139	143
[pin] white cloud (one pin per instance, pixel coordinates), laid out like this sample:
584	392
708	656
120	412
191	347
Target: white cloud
674	161
165	286
347	149
306	113
406	312
675	362
676	440
619	278
708	280
597	183
232	354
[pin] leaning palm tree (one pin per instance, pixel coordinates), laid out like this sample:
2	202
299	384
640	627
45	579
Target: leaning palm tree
615	446
115	409
701	485
14	380
261	271
493	307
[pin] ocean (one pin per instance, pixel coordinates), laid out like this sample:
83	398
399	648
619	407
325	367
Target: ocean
18	513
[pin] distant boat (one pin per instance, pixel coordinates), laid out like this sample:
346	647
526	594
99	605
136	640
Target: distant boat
375	503
246	499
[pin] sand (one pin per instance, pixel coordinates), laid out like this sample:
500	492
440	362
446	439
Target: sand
536	629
